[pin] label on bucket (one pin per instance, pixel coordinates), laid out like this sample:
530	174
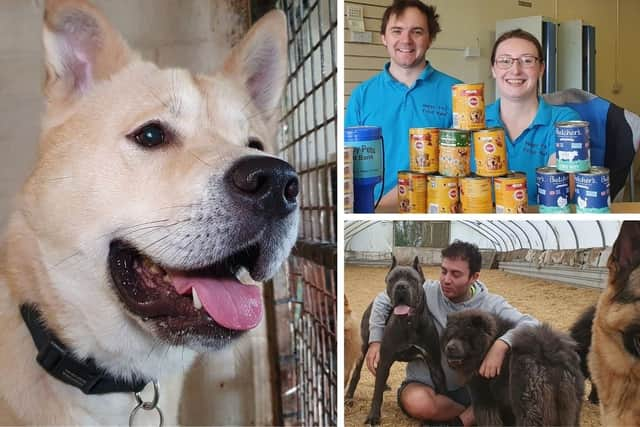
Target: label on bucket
367	159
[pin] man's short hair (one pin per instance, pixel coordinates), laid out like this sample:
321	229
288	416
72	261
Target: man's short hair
465	251
399	6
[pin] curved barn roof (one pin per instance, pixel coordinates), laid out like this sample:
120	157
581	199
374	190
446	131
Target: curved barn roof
503	235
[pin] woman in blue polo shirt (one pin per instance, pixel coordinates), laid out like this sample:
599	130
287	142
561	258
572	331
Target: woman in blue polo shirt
528	121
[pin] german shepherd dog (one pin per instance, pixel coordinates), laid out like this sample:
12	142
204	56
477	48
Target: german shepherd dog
581	331
150	197
614	360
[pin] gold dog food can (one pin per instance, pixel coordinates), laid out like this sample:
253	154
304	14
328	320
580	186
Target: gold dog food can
348	162
511	193
490	152
412	192
442	194
454	153
468	106
475	194
423	149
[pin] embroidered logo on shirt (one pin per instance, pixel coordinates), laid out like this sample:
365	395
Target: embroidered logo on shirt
532	148
439	110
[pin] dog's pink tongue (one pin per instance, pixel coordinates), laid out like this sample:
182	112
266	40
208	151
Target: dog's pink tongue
401	310
230	303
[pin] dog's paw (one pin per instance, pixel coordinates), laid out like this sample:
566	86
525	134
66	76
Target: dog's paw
372	421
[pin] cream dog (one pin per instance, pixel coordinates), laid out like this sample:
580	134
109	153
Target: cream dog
149	197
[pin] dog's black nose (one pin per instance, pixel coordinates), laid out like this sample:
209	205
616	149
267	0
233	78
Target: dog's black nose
267	183
453	348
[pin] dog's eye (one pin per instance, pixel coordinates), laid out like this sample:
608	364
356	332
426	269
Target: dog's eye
150	135
255	143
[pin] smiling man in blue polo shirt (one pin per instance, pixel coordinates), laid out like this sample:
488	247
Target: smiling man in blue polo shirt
407	93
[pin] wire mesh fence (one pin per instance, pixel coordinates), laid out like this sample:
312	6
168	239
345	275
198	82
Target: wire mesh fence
309	131
303	295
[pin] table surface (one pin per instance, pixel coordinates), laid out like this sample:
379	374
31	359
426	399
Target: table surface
620	208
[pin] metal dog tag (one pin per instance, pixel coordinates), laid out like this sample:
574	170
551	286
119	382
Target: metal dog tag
147	406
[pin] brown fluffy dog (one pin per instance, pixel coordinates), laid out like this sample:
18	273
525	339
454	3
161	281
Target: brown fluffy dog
540	383
614	360
352	340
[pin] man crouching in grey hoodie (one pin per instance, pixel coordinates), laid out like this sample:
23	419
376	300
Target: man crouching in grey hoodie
458	289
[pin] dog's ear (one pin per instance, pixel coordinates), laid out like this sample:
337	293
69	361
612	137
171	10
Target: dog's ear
394	262
260	62
417	267
81	48
485	323
625	254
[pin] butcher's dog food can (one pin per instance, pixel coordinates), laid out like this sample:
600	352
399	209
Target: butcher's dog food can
592	191
553	190
572	146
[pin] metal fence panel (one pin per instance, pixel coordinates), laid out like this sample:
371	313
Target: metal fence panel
303	295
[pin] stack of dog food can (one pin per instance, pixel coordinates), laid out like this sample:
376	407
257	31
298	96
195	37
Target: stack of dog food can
443	156
348	179
453	162
573	157
490	157
423	159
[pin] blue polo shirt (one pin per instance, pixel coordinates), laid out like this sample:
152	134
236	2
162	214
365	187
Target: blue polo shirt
535	144
385	102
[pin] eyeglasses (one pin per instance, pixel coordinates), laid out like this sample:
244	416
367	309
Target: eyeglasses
525	61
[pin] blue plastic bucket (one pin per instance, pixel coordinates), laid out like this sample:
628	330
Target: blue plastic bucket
366	142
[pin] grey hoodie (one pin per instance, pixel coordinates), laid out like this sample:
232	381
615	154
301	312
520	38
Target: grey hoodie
440	306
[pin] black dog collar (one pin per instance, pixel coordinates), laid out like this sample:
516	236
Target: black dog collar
58	361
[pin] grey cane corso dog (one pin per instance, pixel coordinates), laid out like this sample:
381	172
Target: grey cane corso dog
409	334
